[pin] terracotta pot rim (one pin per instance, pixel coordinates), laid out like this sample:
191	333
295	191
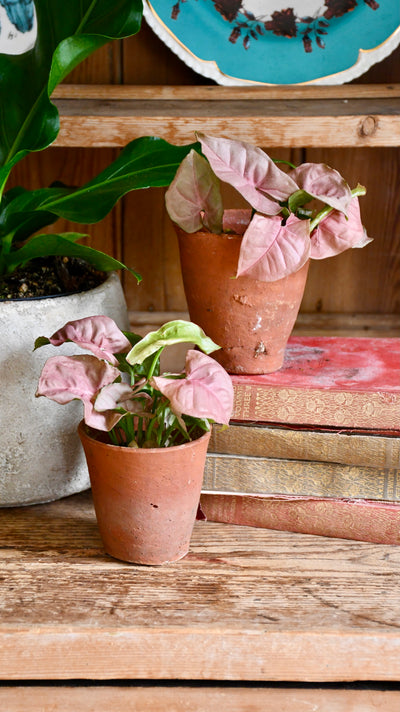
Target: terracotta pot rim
209	235
86	430
227	234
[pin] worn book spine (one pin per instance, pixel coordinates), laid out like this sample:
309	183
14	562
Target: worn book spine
326	381
376	522
317	406
367	449
269	476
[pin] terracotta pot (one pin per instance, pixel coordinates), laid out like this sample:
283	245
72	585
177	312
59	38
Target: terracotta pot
146	500
249	319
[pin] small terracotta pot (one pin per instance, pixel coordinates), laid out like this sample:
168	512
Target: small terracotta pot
145	500
251	320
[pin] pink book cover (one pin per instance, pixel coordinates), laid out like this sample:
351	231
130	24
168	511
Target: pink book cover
362	520
329	381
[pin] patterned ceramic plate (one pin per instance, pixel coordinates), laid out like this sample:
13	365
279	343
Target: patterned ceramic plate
18	26
277	41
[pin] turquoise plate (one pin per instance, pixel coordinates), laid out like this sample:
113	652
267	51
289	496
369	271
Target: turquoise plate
237	42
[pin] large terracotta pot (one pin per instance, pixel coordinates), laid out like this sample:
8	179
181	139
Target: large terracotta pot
146	500
41	458
249	319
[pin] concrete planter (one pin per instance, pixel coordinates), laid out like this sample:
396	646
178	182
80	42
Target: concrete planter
41	458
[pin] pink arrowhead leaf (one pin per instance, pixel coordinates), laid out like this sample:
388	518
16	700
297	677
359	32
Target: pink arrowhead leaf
100	421
250	171
121	395
113	396
66	378
206	392
324	183
336	233
193	199
271	251
103	413
98	334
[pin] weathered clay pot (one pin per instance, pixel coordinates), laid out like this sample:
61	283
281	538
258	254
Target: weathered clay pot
146	500
251	320
41	458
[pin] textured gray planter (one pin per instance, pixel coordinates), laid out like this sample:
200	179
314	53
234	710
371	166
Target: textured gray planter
41	458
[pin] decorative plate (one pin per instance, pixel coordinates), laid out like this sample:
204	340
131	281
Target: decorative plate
238	42
18	26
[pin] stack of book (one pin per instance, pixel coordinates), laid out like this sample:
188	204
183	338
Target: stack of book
314	447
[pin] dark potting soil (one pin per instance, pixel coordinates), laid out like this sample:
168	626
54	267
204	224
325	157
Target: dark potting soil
48	277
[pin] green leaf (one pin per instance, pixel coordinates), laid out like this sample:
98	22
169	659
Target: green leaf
64	246
298	199
173	332
70	31
7	168
143	163
41	341
21	212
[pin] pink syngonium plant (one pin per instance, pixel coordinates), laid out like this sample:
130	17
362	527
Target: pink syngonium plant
121	390
283	234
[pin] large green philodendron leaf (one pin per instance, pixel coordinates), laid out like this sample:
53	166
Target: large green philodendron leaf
145	162
67	33
21	214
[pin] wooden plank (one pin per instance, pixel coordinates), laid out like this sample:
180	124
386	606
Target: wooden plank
362	281
147	60
345	324
152	248
222	108
196	699
245	604
107	92
273	131
111	116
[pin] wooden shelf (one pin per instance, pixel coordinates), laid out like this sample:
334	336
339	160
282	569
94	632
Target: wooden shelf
315	324
163	698
245	605
337	116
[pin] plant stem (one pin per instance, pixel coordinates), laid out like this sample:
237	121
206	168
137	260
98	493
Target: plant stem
139	437
113	436
287	163
5	249
359	190
154	363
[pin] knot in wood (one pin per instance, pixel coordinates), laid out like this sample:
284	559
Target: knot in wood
368	126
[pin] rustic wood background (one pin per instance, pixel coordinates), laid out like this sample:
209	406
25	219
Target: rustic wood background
139	232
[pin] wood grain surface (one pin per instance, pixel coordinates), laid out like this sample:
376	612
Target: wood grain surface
245	604
95	124
196	699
